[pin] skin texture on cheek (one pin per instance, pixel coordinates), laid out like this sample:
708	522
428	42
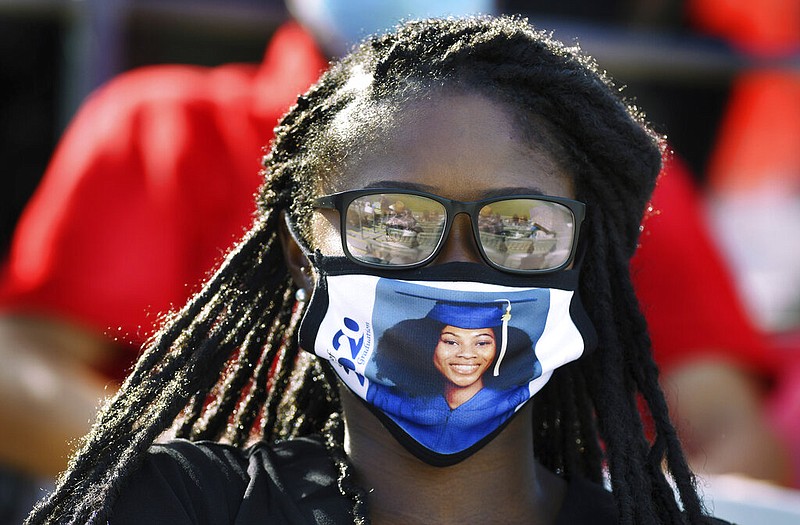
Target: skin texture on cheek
325	232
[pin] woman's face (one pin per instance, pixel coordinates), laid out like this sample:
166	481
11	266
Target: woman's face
462	355
462	146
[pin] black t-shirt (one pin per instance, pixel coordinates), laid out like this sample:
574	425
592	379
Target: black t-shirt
293	482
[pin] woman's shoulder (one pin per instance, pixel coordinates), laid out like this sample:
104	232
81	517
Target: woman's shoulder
184	482
590	503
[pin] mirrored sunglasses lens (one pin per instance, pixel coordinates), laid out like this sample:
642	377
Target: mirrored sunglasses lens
526	234
393	229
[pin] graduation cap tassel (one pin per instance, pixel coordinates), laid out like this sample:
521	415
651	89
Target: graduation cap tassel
503	336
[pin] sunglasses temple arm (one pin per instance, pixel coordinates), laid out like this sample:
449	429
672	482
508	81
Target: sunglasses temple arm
326	202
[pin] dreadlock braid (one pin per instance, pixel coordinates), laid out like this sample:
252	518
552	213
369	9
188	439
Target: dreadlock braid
618	418
625	333
227	366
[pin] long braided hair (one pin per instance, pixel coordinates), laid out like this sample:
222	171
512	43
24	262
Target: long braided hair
227	366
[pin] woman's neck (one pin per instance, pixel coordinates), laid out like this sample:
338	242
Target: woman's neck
501	483
458	395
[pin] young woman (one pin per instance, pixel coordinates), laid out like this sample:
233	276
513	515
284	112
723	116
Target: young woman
453	377
461	114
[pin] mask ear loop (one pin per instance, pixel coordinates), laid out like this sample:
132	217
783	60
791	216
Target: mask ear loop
506	317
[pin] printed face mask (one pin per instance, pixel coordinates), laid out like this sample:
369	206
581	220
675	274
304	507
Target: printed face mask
444	355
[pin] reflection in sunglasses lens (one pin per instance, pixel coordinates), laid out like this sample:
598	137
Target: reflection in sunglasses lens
526	234
394	229
398	229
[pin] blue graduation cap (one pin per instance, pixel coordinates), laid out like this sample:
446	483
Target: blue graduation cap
468	315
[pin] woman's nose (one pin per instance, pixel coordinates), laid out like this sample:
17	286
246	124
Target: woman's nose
459	246
467	351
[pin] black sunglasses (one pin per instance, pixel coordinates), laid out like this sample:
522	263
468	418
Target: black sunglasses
398	228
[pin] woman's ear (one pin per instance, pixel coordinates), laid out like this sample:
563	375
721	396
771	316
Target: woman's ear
297	262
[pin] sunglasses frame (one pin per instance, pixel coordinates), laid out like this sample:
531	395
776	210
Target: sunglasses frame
340	201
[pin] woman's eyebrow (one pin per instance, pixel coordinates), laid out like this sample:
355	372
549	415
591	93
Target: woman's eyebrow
514	190
401	185
496	192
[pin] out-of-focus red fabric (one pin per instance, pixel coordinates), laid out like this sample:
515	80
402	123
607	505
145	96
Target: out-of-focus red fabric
759	137
685	290
152	182
766	27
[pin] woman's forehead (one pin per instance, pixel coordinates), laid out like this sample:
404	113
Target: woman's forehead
456	145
